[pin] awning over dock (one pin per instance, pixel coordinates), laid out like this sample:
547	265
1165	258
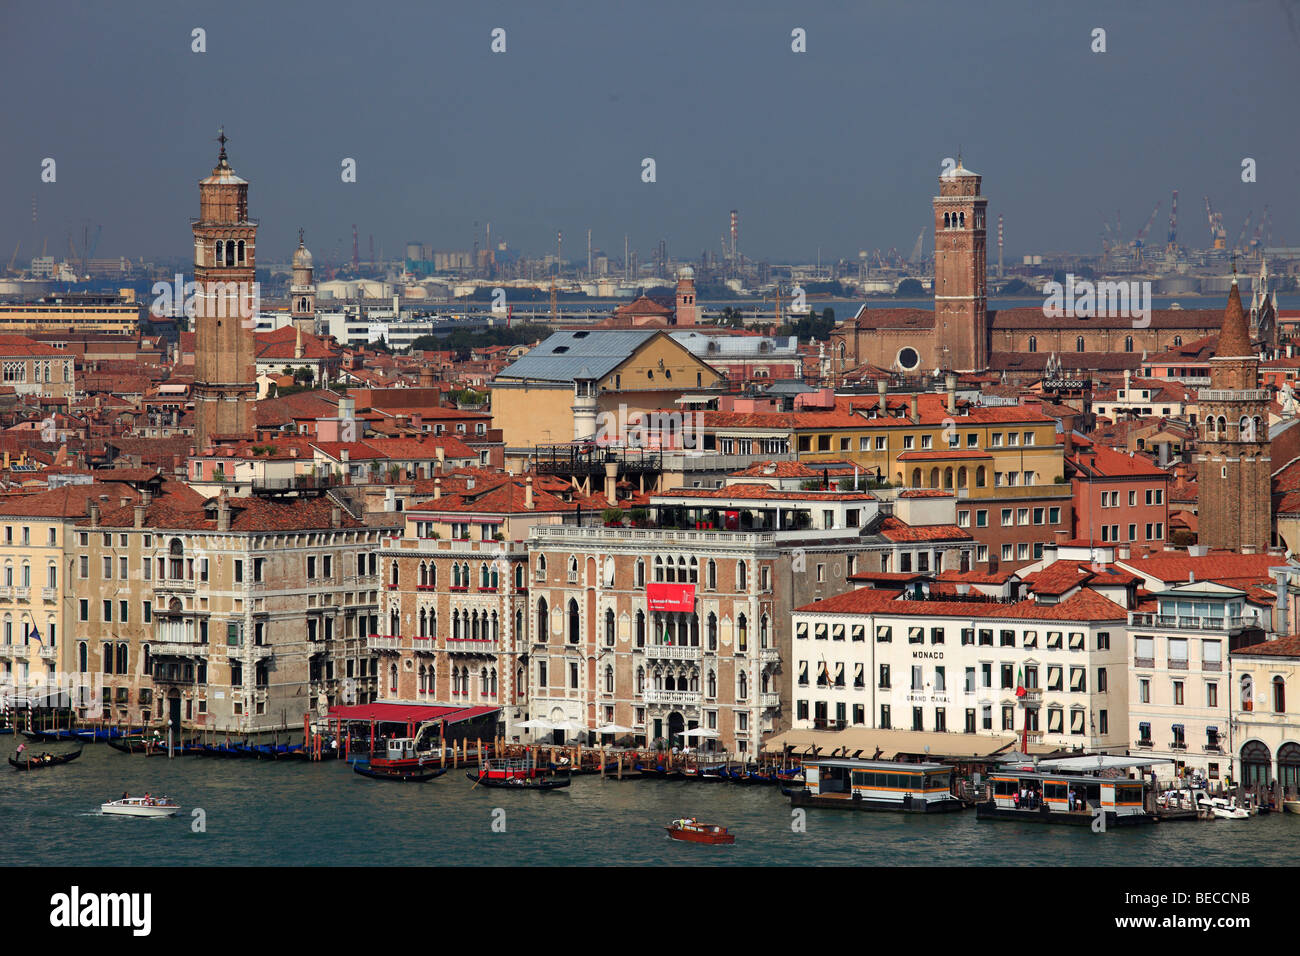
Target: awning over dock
400	713
863	742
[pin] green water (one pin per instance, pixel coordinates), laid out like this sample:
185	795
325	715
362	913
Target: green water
270	813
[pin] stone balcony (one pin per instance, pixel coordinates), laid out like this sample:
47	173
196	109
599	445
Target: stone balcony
178	649
671	652
49	595
769	700
49	653
769	655
691	698
468	645
383	642
23	594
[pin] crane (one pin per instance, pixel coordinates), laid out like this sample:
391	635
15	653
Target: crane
1172	245
1257	241
916	249
1141	236
14	257
1239	245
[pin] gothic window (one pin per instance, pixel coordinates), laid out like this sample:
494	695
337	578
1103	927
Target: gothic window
241	252
574	628
221	252
1128	343
1033	343
963	220
1178	340
1078	344
15	372
946	223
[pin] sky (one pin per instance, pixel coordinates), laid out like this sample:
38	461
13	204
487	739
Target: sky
836	149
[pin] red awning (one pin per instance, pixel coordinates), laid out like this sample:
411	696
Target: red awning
661	596
405	713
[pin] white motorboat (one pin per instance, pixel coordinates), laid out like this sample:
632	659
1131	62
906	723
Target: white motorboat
141	807
1223	810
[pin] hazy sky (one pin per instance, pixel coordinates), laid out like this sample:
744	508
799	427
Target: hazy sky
839	147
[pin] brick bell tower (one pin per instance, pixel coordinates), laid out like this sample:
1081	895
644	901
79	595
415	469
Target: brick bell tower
1234	462
961	326
225	306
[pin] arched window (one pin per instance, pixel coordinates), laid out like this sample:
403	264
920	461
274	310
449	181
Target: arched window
640	572
27	575
609	628
980	477
221	252
1033	343
574	622
640	629
483	681
519	575
1279	695
609	678
659	568
423	577
741	576
640	680
393	578
573	568
742	634
541	567
495	633
711	575
424	624
711	685
1128	343
492	682
711	631
392	678
1178	340
83	658
241	252
694	570
762	631
1247	692
483	575
1078	344
742	687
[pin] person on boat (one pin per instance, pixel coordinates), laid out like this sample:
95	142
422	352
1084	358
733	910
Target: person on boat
125	795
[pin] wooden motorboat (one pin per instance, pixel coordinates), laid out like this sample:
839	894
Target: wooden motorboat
691	830
416	775
1291	806
140	807
32	761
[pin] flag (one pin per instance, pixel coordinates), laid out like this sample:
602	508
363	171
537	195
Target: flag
1020	682
34	635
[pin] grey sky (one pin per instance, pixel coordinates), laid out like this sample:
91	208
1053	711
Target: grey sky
839	147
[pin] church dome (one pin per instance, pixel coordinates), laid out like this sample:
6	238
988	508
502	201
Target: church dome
684	273
301	257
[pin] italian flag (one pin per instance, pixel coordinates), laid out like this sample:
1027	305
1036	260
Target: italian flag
1020	682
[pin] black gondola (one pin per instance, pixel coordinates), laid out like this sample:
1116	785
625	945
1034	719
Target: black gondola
520	783
41	762
405	776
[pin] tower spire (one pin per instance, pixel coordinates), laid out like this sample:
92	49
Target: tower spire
221	138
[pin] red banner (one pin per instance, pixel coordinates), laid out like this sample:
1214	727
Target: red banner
670	597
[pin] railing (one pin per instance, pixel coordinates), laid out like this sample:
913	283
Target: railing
769	700
1177	622
1178	745
178	649
1178	663
469	645
1144	744
1232	395
49	653
22	594
376	642
1211	665
1144	662
6	593
672	652
9	652
174	584
769	655
1032	694
655	696
49	594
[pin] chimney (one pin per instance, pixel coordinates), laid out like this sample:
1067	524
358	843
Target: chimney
437	488
336	517
146	497
611	482
528	493
882	389
950	382
139	516
94	514
1067	441
915	416
223	513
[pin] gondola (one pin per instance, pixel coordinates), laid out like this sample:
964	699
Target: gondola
137	745
520	783
40	763
99	736
405	776
222	750
49	735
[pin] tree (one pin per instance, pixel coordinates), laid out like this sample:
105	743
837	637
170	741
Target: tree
909	287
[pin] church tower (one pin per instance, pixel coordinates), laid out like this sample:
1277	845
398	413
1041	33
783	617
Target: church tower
685	314
225	307
302	291
1234	464
961	332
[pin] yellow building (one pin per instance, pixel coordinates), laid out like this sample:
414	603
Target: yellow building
73	312
590	384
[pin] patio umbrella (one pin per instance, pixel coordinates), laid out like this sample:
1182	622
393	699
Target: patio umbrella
613	729
569	725
535	724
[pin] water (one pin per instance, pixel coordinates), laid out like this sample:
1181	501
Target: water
267	813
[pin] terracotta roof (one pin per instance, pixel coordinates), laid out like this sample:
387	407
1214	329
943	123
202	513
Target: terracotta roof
1104	462
1282	647
766	492
893	529
246	515
925	493
1225	567
1086	605
1235	338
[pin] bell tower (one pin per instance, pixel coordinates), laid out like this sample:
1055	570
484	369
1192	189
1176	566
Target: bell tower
961	332
1234	461
302	291
225	307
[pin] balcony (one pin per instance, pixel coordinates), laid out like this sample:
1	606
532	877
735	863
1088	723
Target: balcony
688	697
48	653
769	701
769	655
22	594
1144	662
385	642
671	652
1144	744
469	645
49	595
1178	745
1211	665
6	593
178	649
1032	694
1178	663
1174	622
9	652
424	645
1232	395
173	586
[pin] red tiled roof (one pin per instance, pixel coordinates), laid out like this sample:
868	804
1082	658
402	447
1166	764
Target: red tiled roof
893	529
1086	605
924	493
1282	647
947	455
1224	567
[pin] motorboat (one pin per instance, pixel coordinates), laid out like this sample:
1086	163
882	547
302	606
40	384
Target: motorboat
690	830
140	807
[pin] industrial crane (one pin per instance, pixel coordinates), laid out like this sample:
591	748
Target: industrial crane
1240	244
1141	236
1172	245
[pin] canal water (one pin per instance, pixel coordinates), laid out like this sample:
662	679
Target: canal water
266	813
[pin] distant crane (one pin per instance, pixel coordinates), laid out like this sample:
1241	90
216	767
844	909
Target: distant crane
1172	245
356	253
1141	236
14	257
1240	244
916	249
1218	237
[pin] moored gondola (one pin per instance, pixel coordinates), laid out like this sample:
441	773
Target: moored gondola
28	761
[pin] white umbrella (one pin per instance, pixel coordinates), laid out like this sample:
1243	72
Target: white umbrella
614	729
572	725
536	724
701	732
